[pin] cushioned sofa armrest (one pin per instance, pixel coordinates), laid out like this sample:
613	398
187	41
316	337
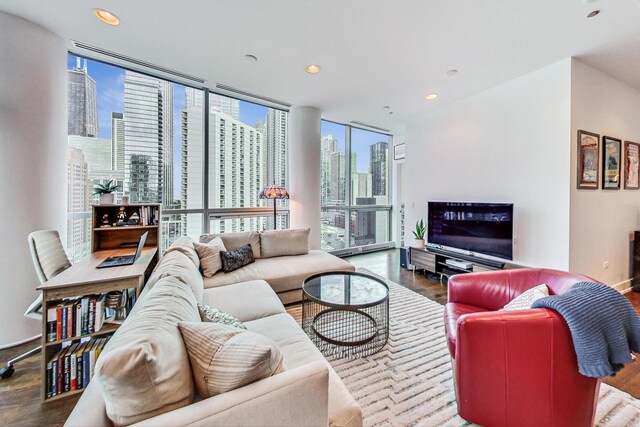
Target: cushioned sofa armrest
514	358
492	289
298	397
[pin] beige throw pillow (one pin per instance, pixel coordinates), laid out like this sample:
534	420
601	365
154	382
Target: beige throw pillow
224	358
209	253
284	242
526	299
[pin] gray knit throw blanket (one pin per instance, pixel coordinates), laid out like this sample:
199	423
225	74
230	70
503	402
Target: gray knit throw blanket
604	326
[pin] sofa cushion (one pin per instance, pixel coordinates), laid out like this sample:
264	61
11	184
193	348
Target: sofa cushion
233	299
209	253
224	357
237	258
235	240
178	265
213	315
144	369
282	273
284	242
298	350
184	244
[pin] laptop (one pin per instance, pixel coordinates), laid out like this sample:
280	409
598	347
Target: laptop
117	261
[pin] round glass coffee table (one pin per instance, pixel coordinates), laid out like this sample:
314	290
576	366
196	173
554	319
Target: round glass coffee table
346	314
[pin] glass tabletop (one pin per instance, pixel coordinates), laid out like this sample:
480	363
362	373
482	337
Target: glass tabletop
345	289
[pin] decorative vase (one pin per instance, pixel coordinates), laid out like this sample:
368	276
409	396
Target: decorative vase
107	199
420	243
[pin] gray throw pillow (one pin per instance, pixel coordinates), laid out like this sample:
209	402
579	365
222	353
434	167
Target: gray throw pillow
213	315
233	260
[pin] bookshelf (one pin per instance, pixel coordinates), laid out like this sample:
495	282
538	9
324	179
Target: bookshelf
82	282
121	234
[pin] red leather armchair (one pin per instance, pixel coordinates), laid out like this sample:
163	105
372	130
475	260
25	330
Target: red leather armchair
515	368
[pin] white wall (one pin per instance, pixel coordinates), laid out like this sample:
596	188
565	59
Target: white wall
304	171
507	144
33	160
602	220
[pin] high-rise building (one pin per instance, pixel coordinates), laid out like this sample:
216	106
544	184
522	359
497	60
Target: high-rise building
364	232
224	104
78	193
148	135
117	141
328	146
338	177
361	184
96	151
82	102
192	161
276	147
378	167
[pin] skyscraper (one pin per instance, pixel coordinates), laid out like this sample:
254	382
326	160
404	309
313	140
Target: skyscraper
276	147
328	145
117	141
148	135
378	167
78	187
224	104
82	103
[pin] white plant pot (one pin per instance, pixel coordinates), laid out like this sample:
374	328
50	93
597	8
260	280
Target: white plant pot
420	244
108	199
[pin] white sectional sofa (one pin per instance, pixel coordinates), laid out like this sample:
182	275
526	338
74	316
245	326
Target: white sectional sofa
158	389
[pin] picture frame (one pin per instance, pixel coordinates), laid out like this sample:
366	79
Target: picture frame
631	165
398	152
611	157
588	160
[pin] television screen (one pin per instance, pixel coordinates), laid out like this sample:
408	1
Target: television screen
485	228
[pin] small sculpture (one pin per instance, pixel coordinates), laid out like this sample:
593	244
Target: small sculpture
105	221
121	216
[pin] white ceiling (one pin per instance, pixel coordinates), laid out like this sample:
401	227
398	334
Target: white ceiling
372	52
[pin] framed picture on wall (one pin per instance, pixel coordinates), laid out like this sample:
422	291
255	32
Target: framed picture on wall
631	165
611	163
398	152
588	160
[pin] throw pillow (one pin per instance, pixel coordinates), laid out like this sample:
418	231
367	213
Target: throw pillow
525	299
237	258
224	358
284	242
211	314
209	253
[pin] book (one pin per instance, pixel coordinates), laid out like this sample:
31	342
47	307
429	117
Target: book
85	364
78	359
51	324
92	315
64	321
99	313
84	302
73	379
70	312
58	322
78	319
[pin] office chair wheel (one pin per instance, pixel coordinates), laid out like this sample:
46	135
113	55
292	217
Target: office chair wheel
6	372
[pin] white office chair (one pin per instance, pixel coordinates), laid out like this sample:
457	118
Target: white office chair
49	260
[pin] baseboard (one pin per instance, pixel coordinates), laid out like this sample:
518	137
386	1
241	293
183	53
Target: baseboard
623	287
14	344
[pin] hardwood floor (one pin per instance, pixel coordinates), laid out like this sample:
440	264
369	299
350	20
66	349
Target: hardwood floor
20	395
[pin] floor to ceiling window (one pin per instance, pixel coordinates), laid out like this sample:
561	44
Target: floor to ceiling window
148	134
354	189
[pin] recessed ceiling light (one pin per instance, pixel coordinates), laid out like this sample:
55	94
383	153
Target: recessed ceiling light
386	107
451	72
313	69
431	96
390	112
250	58
593	13
106	17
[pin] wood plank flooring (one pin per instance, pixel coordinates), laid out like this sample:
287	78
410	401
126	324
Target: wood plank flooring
20	398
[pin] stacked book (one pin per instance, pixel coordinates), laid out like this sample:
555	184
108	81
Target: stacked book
75	317
72	367
149	215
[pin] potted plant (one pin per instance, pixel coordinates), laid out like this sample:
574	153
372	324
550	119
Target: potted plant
106	190
418	233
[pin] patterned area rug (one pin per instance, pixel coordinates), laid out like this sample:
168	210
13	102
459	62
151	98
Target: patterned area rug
409	382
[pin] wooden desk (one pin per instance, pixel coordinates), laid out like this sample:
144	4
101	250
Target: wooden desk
83	278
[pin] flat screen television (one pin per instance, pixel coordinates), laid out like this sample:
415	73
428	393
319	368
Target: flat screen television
485	228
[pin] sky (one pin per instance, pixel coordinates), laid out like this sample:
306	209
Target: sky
361	140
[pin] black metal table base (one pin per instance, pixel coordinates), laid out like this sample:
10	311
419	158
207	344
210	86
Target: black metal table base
346	332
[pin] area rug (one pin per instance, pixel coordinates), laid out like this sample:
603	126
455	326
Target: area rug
409	382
